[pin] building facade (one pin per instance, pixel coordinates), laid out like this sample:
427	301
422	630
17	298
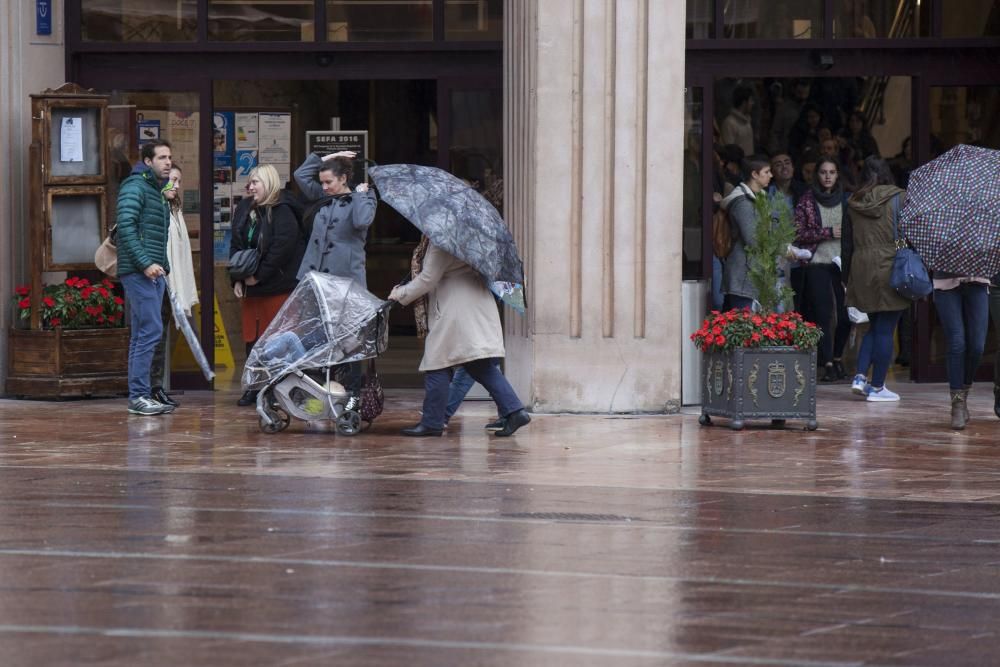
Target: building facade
592	123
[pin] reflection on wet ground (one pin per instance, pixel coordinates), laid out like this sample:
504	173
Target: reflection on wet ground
584	540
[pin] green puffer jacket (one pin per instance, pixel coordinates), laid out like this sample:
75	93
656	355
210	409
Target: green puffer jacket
143	223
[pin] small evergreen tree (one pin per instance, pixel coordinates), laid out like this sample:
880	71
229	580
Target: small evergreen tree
775	232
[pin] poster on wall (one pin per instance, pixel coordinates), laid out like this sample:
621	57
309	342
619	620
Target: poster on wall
245	162
147	130
246	131
324	142
223	138
222	199
274	136
182	133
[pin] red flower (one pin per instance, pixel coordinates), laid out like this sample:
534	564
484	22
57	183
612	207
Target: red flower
47	300
755	337
93	311
716	330
721	340
86	292
24	303
810	325
107	283
103	292
71	281
119	300
23	290
55	321
82	282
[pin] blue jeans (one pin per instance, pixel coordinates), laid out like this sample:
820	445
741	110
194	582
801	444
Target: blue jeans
877	345
732	301
145	299
484	371
461	383
964	316
717	296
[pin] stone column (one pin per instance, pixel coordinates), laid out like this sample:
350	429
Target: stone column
28	64
593	109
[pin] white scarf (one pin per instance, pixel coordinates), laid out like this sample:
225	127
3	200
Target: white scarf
181	276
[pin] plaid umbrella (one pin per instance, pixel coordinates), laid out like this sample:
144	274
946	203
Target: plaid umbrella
458	220
952	212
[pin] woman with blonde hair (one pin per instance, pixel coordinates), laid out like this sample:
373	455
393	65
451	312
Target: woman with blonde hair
271	225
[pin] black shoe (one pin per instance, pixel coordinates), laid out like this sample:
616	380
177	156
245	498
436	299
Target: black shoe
838	369
421	431
161	396
830	375
496	424
514	421
248	398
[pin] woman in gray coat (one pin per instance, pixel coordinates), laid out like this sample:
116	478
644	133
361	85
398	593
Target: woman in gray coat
337	243
340	227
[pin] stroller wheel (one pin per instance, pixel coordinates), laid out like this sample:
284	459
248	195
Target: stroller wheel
349	423
280	421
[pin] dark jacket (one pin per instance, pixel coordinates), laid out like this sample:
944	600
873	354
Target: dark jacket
869	249
143	223
277	234
809	229
743	218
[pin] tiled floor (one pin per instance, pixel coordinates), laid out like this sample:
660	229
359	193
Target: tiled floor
195	539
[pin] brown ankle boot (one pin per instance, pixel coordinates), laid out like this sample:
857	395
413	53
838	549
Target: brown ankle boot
959	410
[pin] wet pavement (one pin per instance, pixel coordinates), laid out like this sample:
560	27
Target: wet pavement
196	539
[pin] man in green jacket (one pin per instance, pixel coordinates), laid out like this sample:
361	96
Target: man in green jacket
143	225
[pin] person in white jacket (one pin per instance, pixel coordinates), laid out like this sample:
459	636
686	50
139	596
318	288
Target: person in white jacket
180	281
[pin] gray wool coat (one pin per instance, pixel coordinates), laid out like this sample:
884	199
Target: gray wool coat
337	243
743	217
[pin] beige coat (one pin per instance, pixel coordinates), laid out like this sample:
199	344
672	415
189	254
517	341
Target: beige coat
461	313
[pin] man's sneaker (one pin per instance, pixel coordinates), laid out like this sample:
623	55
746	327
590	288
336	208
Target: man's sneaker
860	386
146	406
883	395
353	403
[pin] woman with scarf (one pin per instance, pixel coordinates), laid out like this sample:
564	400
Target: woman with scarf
459	317
180	281
819	223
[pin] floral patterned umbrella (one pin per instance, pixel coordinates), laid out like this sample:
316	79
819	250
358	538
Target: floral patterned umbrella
952	212
458	220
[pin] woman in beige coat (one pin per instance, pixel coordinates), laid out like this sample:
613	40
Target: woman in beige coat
463	330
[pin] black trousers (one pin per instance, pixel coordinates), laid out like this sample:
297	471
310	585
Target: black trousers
820	297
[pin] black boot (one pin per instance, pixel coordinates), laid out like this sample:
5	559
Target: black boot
161	396
515	420
421	431
249	397
496	424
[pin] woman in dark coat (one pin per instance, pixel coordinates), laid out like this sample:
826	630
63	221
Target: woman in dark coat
869	249
271	224
819	222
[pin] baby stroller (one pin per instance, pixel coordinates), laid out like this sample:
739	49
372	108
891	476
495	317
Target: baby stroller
326	321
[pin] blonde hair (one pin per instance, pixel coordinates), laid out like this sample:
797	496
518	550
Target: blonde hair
269	179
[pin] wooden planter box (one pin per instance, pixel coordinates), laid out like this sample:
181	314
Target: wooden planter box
67	363
775	383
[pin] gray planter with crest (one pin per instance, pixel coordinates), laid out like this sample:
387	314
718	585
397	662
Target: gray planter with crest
775	383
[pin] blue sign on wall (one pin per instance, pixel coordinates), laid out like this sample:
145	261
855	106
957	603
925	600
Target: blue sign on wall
43	17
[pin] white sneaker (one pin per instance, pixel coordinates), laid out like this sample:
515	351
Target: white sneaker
860	386
883	395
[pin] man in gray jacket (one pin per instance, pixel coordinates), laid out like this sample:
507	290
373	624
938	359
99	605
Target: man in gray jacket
739	291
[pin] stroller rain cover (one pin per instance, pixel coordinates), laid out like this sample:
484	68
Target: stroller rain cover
326	320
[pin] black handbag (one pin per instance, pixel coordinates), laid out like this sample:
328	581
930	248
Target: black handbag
244	263
372	395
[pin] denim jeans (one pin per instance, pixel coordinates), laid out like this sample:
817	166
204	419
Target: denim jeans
484	371
145	300
158	371
732	301
995	315
877	345
461	383
964	316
